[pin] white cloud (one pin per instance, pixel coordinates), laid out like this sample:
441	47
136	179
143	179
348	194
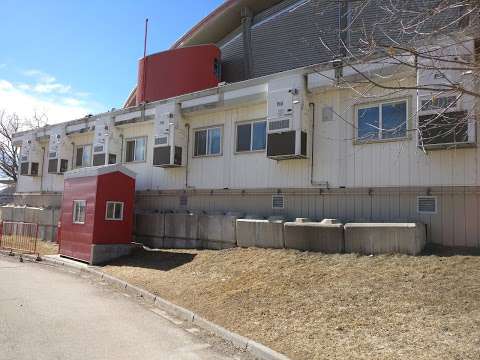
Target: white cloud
25	100
44	83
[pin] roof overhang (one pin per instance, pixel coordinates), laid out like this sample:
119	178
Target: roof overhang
221	22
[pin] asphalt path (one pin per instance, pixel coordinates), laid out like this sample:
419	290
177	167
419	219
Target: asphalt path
50	314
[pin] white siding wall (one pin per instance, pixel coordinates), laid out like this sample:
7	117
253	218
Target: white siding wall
338	160
341	162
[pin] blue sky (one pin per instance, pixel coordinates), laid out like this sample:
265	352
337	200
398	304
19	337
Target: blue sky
69	58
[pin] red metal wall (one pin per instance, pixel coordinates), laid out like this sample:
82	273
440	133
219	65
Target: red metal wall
114	187
176	72
76	239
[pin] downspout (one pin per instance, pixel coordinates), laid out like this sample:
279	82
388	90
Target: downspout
186	162
121	149
43	168
247	18
312	106
73	156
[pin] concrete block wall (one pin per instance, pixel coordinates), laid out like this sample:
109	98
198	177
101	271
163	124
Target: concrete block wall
322	237
217	231
260	233
46	218
385	238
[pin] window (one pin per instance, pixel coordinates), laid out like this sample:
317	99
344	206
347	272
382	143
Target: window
382	121
114	211
251	136
83	156
79	211
24	168
34	169
135	149
208	142
63	165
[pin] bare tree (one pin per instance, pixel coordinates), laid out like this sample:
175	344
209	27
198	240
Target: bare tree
435	40
9	125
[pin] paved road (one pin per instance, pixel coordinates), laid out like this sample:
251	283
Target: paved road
51	314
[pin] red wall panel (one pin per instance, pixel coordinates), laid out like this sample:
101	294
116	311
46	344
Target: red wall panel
76	239
114	187
176	72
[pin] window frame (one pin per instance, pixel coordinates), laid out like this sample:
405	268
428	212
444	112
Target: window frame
74	212
135	161
91	155
251	122
114	203
207	128
379	105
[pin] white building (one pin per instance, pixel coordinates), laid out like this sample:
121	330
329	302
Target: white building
294	143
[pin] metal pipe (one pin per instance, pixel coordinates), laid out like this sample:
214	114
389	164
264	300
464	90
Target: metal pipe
186	162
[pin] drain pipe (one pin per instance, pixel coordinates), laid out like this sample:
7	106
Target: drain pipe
43	168
121	149
312	106
186	162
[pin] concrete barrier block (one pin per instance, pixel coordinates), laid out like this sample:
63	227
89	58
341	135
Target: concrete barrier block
314	236
181	226
217	231
385	238
7	213
260	233
150	224
18	214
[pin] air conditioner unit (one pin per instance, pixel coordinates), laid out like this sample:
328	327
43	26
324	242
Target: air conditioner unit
446	117
60	149
287	119
106	141
31	156
169	136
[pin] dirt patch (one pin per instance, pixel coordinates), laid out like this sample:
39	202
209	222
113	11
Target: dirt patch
314	306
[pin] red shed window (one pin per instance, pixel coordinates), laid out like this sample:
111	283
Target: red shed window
79	211
114	211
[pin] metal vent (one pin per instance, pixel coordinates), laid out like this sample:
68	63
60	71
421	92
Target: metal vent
24	158
161	140
183	200
278	202
427	204
52	155
279	124
98	148
327	114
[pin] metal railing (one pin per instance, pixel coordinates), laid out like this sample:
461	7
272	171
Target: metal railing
19	236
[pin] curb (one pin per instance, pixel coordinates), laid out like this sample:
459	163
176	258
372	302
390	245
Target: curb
258	350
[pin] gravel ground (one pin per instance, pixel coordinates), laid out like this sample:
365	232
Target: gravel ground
314	306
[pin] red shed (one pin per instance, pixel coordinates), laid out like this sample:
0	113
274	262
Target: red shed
96	220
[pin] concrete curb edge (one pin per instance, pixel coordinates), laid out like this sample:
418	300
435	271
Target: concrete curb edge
260	351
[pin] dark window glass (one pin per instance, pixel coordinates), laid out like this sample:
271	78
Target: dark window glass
118	211
259	141
63	165
34	169
130	156
24	168
394	120
200	143
79	157
52	166
244	135
368	123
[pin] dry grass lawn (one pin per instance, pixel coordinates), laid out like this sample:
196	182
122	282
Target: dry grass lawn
314	306
47	248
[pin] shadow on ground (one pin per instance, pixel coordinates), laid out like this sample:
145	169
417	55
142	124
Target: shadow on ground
154	259
446	251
